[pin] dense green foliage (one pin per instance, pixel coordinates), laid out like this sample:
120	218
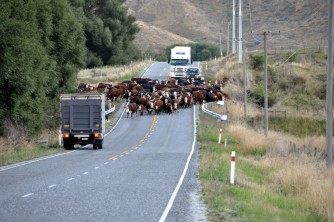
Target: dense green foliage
257	95
256	61
109	31
44	43
199	51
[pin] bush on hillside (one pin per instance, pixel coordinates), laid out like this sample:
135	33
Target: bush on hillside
256	61
257	96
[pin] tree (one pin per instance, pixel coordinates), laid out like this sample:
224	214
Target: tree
23	65
109	32
41	49
256	61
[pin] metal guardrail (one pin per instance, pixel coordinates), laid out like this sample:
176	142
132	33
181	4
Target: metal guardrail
110	110
213	114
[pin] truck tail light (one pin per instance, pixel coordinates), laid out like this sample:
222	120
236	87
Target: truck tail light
96	135
66	135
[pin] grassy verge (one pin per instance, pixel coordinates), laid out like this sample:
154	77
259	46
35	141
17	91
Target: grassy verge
268	186
15	156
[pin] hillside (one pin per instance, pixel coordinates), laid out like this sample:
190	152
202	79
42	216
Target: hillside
301	23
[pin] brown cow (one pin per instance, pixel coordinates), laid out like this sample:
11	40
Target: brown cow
175	105
114	93
141	109
143	100
158	104
150	107
198	97
169	108
132	108
102	87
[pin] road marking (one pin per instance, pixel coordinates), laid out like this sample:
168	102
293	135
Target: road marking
136	146
97	168
34	161
27	195
177	188
71	179
85	173
53	185
113	157
106	163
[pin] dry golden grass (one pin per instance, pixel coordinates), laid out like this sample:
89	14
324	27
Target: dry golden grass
306	178
109	73
149	34
206	21
298	175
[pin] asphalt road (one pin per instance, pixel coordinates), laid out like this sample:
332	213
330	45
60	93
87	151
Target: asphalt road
146	171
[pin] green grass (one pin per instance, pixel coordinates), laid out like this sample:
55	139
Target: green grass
253	172
298	126
20	155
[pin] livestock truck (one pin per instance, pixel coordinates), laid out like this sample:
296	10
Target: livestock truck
82	119
180	61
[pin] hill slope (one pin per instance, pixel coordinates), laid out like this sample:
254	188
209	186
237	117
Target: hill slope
301	23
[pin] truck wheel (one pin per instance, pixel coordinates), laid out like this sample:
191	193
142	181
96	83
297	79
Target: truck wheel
98	144
68	145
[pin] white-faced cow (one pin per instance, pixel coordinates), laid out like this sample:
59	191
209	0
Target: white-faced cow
132	108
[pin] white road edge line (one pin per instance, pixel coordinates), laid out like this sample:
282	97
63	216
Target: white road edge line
53	185
177	188
37	160
27	195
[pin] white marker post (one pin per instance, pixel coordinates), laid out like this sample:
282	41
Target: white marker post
220	135
232	167
59	137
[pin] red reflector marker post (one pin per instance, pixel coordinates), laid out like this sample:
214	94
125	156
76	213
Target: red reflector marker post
232	167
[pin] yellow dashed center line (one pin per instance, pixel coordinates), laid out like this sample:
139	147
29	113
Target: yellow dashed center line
113	157
125	152
140	142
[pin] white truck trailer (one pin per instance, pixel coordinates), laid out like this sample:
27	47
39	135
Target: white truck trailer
82	119
180	61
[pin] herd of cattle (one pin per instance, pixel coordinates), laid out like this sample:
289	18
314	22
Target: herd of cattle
156	96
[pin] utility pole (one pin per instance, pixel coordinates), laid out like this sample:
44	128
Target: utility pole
233	27
265	86
240	32
265	80
220	44
245	80
228	39
329	90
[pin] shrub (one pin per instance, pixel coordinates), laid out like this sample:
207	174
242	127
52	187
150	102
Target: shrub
256	61
257	95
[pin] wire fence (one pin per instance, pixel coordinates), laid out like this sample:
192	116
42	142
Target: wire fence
307	150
